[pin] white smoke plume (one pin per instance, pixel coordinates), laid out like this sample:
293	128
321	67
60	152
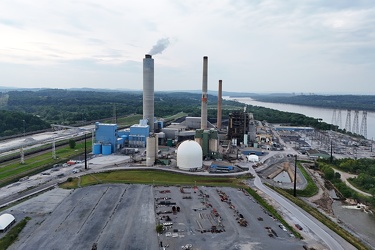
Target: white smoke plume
160	45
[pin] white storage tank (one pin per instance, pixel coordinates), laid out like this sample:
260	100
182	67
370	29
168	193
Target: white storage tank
189	155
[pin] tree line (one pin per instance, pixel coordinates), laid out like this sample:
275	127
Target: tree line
67	107
364	168
352	102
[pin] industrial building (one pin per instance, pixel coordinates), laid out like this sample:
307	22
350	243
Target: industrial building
242	128
105	138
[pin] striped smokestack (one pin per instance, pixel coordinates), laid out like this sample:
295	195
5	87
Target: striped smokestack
219	100
204	94
148	91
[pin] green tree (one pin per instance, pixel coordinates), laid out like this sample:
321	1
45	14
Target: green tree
72	143
329	173
337	175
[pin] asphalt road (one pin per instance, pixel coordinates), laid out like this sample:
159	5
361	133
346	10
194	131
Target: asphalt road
300	218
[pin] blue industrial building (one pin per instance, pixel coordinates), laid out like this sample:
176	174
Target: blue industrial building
108	139
138	135
106	135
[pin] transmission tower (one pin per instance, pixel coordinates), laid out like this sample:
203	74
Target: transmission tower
348	121
355	123
334	120
364	124
339	118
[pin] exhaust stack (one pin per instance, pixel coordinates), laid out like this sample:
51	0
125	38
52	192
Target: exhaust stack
148	91
204	94
219	102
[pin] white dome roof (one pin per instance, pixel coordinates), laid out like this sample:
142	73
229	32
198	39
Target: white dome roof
189	155
253	158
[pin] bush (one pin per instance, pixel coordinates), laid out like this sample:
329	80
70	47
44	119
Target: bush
72	143
159	228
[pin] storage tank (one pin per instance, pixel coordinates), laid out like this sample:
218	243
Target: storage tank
189	155
107	149
97	149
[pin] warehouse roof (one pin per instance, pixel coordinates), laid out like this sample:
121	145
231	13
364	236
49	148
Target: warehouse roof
5	221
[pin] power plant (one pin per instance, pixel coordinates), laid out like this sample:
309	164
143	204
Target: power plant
198	132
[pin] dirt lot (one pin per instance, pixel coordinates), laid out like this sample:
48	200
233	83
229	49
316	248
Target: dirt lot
121	216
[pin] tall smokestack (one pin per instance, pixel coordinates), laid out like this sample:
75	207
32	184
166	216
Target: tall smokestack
219	100
148	91
204	94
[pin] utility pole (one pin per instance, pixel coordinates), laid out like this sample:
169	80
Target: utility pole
22	155
92	139
371	144
53	148
24	128
295	176
85	152
331	158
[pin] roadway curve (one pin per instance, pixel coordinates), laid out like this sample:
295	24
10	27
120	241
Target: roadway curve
345	176
302	218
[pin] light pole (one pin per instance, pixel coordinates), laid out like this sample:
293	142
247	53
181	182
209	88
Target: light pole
85	152
295	176
24	128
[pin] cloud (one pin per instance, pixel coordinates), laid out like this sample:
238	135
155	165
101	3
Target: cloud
11	23
267	45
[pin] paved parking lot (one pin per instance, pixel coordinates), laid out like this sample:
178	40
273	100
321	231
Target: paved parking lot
113	216
122	216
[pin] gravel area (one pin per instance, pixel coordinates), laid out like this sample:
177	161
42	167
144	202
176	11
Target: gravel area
206	222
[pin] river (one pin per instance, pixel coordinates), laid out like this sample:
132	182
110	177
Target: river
325	114
360	222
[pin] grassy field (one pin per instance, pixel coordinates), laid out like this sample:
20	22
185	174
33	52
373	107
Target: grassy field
134	119
155	177
12	172
12	234
129	120
176	116
311	188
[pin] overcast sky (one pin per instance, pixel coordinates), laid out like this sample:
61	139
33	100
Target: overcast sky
321	46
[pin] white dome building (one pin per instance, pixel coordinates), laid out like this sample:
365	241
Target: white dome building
189	155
